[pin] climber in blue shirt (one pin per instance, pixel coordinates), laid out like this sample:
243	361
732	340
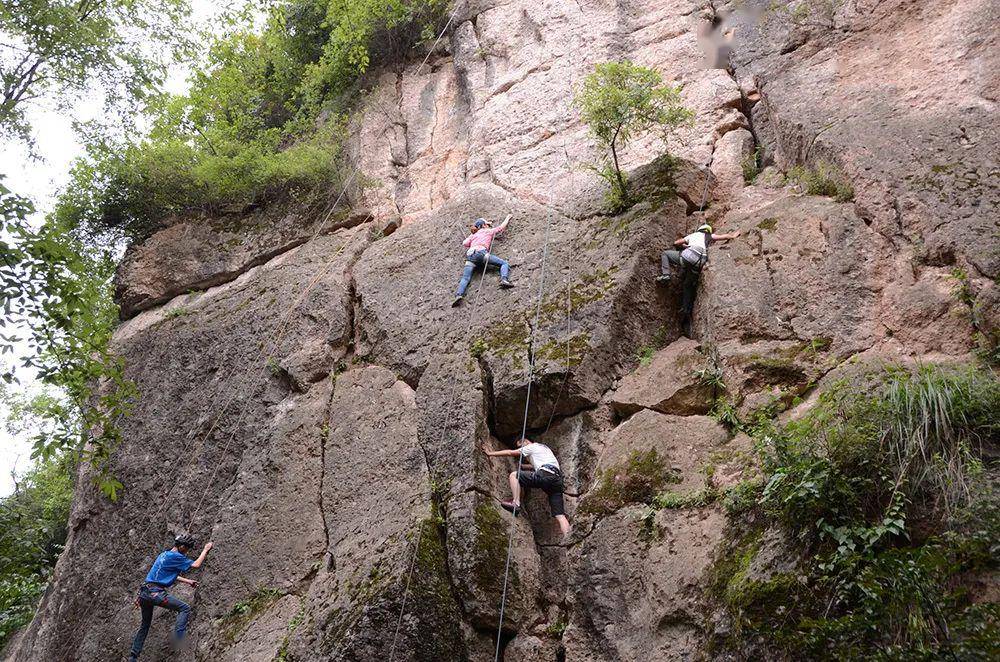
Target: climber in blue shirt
165	572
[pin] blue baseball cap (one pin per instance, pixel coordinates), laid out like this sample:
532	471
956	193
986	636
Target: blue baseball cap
480	222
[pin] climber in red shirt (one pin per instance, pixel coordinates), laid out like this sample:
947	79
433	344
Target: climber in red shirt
477	254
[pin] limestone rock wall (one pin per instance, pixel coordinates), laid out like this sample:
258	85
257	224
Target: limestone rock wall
311	402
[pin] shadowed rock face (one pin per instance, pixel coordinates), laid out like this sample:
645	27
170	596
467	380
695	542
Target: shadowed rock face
316	407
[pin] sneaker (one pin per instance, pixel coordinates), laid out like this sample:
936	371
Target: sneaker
457	302
512	507
506	283
663	279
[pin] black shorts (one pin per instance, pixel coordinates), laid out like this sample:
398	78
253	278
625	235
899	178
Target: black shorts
550	483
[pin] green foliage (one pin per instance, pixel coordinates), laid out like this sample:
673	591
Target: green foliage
33	529
478	347
59	49
57	301
645	355
619	101
557	629
263	119
712	377
725	413
751	166
857	457
824	179
884	486
636	480
769	224
962	289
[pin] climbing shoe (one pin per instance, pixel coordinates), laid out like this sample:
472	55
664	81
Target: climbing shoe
512	507
663	279
457	302
506	283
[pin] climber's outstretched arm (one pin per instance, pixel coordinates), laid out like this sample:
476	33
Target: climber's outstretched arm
204	553
681	242
503	453
725	237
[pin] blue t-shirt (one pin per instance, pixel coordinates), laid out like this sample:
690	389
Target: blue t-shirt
167	566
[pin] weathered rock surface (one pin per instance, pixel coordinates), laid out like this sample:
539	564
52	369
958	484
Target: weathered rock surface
638	595
668	384
318	409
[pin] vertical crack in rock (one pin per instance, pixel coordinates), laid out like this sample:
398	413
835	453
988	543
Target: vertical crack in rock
324	435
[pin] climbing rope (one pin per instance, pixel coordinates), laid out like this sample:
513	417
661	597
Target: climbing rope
524	431
444	431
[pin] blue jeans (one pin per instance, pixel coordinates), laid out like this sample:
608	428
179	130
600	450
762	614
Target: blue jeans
158	597
478	259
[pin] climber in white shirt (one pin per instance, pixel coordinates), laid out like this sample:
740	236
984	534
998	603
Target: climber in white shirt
691	254
539	468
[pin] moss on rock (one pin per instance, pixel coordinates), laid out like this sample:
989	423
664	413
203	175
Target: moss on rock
636	480
489	551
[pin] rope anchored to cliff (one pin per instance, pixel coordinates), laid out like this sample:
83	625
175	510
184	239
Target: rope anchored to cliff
524	431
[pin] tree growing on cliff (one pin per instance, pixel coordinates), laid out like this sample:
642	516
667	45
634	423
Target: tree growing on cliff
620	101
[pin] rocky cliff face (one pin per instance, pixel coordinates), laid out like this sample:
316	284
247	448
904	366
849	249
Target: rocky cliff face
312	403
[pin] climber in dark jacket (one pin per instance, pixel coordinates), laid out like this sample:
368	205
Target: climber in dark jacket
691	255
477	254
153	592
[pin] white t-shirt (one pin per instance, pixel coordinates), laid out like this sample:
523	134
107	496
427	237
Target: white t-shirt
698	241
539	455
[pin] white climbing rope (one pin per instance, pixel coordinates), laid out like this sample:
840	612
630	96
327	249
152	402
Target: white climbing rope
444	431
524	430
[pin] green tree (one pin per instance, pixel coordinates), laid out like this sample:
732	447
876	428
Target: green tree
33	524
620	101
262	120
58	49
57	302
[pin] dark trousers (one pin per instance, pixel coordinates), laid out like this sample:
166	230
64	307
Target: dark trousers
548	482
149	598
690	275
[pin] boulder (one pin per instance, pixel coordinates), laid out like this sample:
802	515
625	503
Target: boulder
680	444
667	384
199	253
